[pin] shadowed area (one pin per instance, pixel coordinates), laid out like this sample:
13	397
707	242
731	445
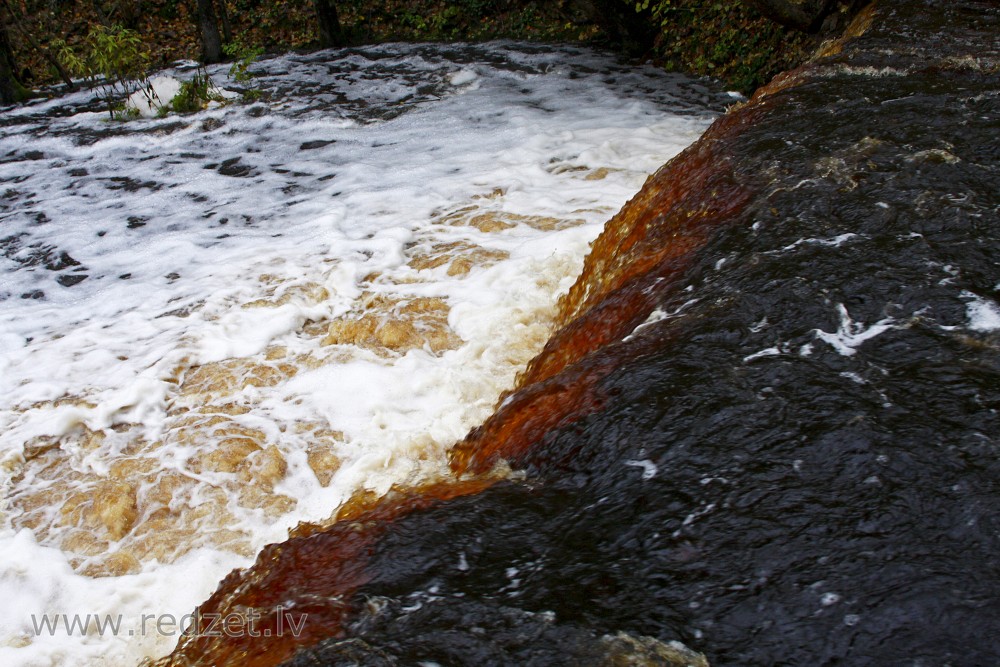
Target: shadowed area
768	426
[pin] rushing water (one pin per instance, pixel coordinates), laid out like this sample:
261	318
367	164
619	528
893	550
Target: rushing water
213	327
767	426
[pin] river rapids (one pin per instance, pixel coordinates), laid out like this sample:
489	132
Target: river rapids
216	326
764	432
757	425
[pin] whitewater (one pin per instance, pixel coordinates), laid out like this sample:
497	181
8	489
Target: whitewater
219	325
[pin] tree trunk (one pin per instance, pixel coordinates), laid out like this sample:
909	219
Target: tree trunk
208	26
9	89
46	53
330	33
227	28
101	16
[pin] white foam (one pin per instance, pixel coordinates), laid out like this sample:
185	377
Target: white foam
834	242
225	222
850	334
649	469
462	77
658	315
767	352
149	99
983	314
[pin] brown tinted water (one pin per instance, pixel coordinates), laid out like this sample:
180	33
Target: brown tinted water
796	464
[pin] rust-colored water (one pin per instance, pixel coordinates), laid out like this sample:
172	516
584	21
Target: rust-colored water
632	265
297	592
637	258
749	480
634	261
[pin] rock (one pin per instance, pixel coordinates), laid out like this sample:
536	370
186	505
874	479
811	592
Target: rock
804	15
624	650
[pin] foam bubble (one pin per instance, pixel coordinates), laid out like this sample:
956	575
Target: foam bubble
218	325
983	314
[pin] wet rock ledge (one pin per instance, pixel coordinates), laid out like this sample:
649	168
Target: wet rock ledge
767	428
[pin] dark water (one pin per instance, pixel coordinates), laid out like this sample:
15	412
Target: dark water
800	465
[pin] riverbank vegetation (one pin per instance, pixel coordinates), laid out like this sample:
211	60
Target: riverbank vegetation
730	41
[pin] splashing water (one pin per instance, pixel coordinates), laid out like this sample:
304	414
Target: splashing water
213	327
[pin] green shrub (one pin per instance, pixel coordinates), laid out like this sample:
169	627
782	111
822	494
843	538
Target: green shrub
111	57
252	95
195	94
123	112
725	40
243	56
